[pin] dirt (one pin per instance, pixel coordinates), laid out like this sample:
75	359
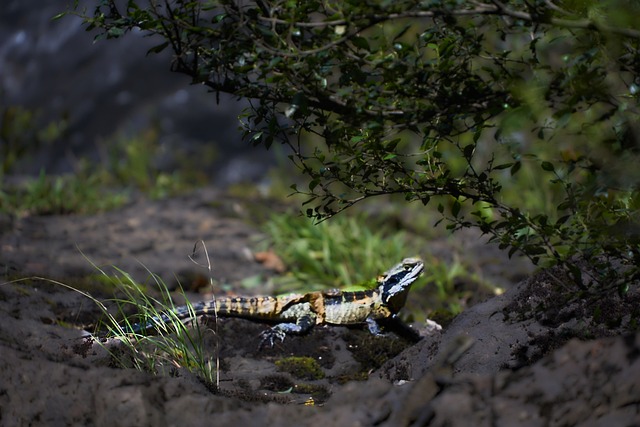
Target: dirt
504	361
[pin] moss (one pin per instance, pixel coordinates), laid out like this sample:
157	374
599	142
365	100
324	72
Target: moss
373	351
305	368
279	383
356	376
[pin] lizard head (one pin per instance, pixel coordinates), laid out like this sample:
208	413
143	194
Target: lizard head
394	285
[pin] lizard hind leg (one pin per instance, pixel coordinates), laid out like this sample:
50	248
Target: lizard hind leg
279	332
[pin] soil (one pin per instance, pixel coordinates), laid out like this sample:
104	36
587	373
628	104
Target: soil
532	356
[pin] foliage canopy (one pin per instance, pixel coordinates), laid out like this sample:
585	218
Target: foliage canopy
444	101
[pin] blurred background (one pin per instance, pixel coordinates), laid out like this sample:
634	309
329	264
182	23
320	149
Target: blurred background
74	101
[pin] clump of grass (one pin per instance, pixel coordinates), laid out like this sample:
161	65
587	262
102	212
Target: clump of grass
96	187
51	195
344	250
163	346
132	163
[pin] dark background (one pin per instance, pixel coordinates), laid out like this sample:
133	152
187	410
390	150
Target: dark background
109	89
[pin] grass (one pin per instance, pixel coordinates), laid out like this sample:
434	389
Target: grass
47	195
166	345
97	187
163	347
346	250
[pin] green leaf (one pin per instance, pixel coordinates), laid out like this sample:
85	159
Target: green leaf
59	15
159	48
548	166
256	137
360	42
477	134
391	145
534	250
455	209
115	32
623	288
515	168
403	31
468	151
503	166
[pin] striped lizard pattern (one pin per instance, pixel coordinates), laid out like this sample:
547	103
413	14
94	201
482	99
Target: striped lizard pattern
298	313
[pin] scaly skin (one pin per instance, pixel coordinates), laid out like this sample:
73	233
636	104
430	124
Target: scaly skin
298	313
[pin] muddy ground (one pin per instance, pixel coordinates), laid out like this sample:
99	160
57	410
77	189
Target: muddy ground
532	356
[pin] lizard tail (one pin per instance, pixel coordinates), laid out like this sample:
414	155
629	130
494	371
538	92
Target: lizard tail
171	316
264	307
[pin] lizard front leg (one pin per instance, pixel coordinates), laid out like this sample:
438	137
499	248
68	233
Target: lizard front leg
373	326
303	324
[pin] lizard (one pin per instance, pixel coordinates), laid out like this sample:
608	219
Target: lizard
298	313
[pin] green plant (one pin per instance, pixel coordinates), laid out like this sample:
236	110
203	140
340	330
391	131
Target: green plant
442	100
95	187
345	251
131	162
48	195
21	132
165	346
168	344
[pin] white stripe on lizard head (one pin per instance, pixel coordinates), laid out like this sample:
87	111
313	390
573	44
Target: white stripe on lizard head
396	282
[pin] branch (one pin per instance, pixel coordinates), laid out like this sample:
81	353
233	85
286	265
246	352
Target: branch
584	24
497	8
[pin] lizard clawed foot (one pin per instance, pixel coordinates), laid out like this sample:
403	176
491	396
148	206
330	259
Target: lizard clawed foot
269	337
